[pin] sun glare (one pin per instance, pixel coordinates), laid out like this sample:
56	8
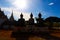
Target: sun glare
21	4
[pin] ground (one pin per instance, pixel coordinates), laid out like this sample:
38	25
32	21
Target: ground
6	35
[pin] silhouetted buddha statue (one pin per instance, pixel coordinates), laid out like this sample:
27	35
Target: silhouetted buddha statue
21	21
39	20
31	20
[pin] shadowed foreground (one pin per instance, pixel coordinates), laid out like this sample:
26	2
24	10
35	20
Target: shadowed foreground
48	29
6	35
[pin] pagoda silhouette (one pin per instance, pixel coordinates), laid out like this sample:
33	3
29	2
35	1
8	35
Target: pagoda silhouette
22	29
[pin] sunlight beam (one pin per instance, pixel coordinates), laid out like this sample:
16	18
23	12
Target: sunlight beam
21	4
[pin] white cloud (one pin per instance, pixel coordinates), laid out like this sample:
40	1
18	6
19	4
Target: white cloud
26	16
16	13
51	3
20	4
6	9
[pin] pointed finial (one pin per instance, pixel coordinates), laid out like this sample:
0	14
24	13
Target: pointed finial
21	15
12	17
31	15
39	15
0	9
12	13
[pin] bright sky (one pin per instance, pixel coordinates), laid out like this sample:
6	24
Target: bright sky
46	7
